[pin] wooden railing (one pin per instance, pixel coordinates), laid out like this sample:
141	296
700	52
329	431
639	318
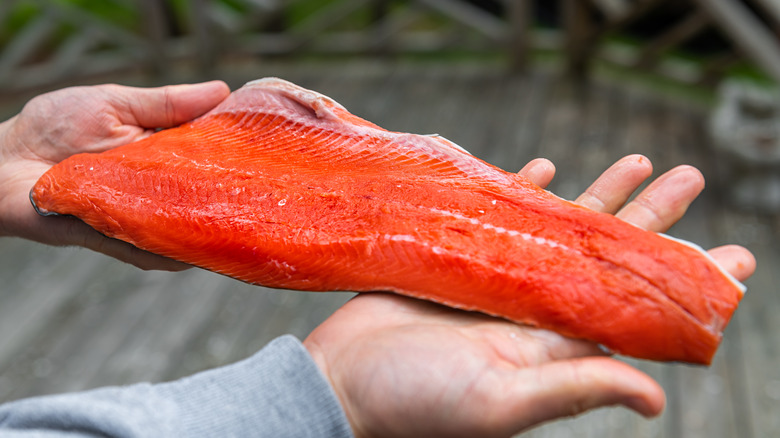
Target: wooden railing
60	41
751	36
44	42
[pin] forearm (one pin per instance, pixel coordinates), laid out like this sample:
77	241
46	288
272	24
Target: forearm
279	392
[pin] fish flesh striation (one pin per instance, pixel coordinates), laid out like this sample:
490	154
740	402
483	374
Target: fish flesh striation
283	187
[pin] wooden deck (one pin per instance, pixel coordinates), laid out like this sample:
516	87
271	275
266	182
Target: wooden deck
72	320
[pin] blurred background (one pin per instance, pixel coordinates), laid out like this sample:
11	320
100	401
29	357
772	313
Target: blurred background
581	82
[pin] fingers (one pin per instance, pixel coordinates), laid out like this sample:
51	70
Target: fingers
613	188
657	207
736	260
660	205
168	106
540	171
567	388
78	233
665	200
130	254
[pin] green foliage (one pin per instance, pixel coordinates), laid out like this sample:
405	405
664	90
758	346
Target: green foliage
301	10
21	25
24	14
119	12
19	15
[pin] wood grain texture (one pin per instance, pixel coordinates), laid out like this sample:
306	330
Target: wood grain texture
109	323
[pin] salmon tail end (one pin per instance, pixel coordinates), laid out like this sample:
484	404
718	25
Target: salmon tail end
41	211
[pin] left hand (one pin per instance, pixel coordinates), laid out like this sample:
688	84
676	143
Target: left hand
56	125
403	367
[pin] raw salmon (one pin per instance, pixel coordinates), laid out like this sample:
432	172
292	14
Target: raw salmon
281	186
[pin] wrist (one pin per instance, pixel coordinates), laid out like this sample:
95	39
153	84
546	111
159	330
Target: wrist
318	356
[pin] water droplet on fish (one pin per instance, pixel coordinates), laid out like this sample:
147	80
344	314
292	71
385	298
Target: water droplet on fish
493	202
91	168
282	202
482	211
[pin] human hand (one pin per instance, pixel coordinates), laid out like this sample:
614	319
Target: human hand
404	367
54	126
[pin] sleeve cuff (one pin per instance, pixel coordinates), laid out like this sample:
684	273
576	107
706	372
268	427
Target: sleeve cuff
278	392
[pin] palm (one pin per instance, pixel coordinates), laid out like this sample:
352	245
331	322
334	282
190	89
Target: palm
426	370
403	367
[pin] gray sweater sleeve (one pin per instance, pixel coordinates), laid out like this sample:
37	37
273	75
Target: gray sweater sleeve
278	392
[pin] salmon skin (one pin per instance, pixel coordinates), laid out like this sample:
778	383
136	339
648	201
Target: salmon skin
282	187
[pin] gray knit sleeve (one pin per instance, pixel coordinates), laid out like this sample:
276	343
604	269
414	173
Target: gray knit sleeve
278	392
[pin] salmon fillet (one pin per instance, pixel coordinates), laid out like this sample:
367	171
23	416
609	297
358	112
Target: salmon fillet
283	187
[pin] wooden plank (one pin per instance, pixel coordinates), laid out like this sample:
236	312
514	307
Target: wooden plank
561	135
83	337
603	114
582	36
749	33
25	43
637	10
580	41
521	15
68	13
526	130
612	8
757	321
686	29
378	100
186	303
39	76
121	324
72	52
771	8
201	28
707	405
312	28
5	8
508	137
471	110
472	16
387	29
379	31
716	68
251	317
156	32
24	314
20	263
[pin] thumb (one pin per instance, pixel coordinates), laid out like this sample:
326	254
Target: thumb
571	387
168	106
